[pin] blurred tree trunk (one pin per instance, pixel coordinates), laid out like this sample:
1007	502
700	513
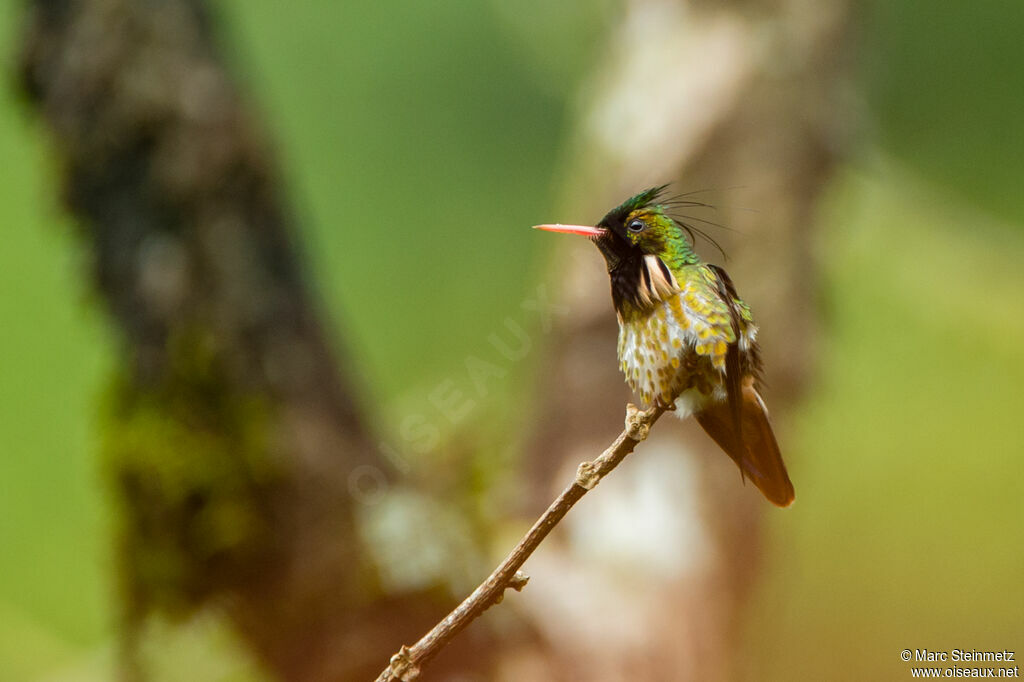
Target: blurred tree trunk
746	95
234	442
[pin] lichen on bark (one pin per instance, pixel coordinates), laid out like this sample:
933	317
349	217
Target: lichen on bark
191	464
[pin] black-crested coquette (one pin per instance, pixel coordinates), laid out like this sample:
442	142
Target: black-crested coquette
686	339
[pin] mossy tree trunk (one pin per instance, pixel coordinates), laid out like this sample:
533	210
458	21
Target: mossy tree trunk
234	444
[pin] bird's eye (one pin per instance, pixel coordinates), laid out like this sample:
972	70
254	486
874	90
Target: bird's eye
636	226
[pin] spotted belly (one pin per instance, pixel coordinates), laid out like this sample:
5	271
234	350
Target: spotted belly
676	352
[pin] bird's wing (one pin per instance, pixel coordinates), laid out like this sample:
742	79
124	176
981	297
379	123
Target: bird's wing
733	371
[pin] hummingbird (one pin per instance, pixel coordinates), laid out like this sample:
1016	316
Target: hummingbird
686	340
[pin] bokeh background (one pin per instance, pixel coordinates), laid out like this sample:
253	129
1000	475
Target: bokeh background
425	139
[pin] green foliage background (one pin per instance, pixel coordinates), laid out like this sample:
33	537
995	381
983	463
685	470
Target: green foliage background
418	157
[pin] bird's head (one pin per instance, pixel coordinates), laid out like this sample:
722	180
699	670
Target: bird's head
643	247
636	228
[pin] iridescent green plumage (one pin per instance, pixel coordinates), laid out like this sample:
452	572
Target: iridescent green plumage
685	338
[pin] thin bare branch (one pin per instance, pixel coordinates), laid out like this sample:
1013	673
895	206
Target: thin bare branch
409	661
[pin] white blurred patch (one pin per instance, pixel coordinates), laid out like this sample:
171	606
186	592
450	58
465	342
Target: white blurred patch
420	541
629	596
645	513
